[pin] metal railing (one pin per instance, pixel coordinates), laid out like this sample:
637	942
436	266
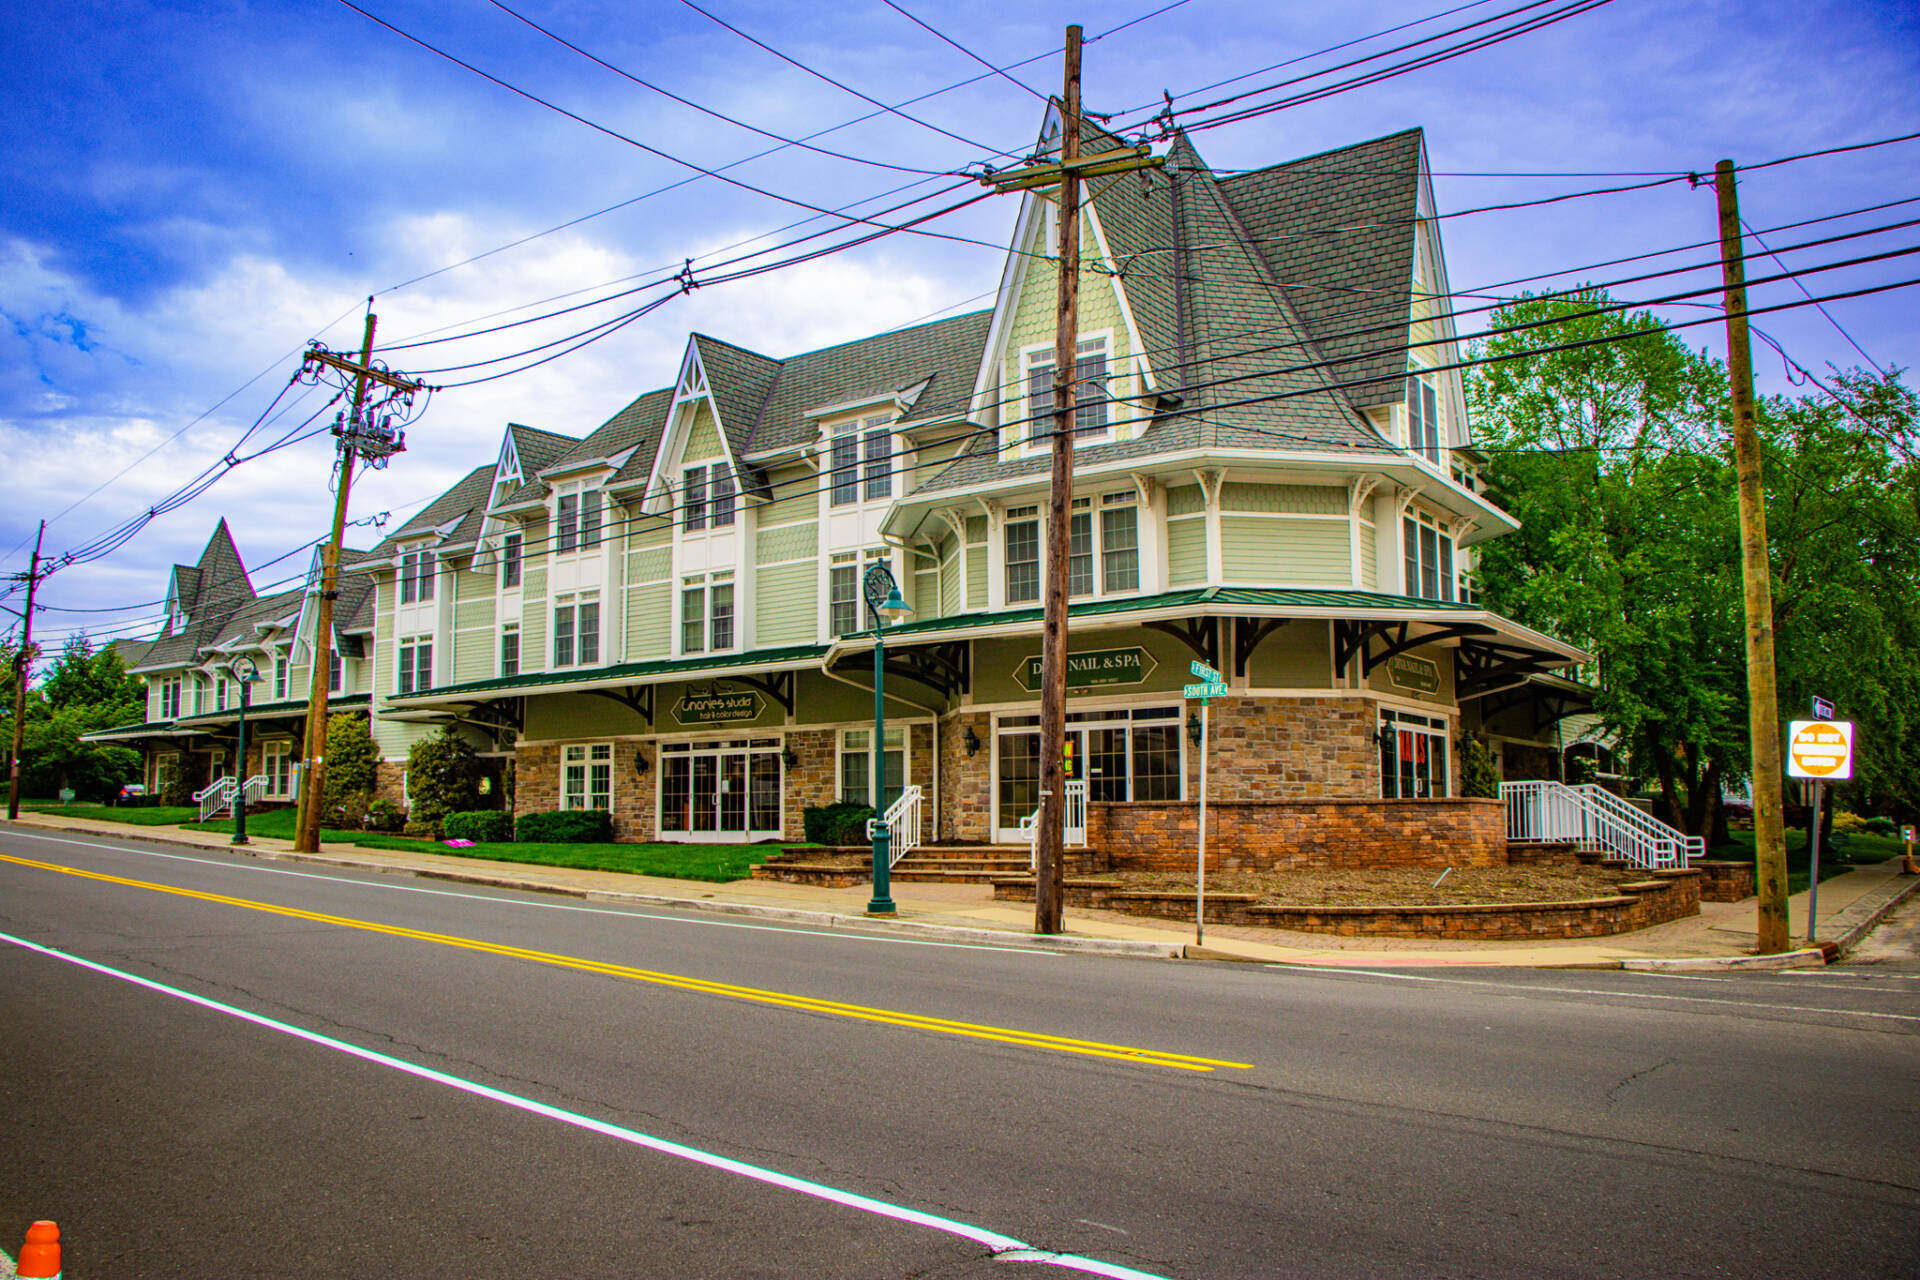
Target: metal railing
903	824
1074	826
1593	818
215	797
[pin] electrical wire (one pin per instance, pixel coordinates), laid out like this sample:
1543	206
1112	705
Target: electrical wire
941	35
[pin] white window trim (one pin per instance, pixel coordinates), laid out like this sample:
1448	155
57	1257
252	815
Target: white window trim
874	419
406	659
705	581
585	761
860	559
572	600
1033	435
840	751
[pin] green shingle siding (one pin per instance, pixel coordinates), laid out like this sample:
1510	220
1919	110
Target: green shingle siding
1185	500
788	542
650	566
787	598
533	583
1186	552
469	614
976	528
1285	499
1285	552
703	438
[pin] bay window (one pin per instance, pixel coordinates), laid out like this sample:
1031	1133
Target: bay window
1427	551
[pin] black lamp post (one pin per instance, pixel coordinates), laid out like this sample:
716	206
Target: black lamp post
245	673
885	604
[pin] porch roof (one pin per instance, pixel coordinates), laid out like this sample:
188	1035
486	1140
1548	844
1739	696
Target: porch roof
272	710
750	662
133	732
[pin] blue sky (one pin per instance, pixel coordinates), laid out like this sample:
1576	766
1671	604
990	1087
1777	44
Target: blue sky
189	192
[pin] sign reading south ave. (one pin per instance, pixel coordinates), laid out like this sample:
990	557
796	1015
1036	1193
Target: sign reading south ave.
1093	669
717	708
1410	672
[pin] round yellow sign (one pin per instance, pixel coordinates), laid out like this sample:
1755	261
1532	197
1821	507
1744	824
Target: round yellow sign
1819	749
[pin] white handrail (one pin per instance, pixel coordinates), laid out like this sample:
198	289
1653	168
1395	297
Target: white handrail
903	824
1074	824
215	796
1595	819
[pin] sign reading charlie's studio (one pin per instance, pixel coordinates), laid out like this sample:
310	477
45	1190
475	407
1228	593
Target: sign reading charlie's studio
1093	669
717	707
1409	672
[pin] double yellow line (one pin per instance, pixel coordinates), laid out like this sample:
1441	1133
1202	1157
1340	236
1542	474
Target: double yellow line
863	1013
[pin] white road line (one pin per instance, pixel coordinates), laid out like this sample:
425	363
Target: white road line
1005	1248
1586	991
693	905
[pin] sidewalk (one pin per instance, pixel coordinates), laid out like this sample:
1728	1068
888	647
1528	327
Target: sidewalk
1721	936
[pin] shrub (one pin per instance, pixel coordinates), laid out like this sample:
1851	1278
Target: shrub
427	829
443	776
1478	775
482	826
565	826
840	823
352	759
385	815
176	792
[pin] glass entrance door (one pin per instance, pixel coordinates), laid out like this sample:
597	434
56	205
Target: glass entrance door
720	791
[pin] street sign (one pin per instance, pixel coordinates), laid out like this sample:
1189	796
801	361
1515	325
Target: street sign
1820	749
1822	709
1211	690
1201	671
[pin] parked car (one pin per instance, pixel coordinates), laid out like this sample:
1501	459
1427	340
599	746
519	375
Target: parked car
132	794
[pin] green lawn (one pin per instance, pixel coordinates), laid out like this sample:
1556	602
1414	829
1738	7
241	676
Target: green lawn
1855	850
153	816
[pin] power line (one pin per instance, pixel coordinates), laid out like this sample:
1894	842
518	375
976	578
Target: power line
919	22
1823	311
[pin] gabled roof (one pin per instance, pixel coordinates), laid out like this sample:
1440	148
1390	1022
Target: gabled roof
739	381
537	449
639	424
463	506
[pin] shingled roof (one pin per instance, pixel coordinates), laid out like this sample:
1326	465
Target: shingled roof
463	506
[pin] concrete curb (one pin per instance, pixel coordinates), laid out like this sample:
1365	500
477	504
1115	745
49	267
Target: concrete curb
1804	958
1853	936
1140	948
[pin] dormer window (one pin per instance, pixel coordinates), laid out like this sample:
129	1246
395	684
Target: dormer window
707	496
1423	417
577	516
416	576
862	444
1090	392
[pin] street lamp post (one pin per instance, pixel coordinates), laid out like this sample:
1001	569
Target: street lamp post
244	674
884	603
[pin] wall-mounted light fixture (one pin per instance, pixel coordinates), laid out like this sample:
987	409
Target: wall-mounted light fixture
789	757
639	764
972	742
1193	728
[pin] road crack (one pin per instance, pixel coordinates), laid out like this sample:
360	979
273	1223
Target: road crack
1613	1094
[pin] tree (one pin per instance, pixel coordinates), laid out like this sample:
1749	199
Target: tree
85	690
1612	458
443	776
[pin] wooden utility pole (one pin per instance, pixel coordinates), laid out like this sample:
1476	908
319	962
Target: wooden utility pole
352	439
22	664
1763	697
1065	171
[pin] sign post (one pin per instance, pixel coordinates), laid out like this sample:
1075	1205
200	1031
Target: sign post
1820	750
1211	687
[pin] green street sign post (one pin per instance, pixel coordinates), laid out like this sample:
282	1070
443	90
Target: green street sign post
1213	687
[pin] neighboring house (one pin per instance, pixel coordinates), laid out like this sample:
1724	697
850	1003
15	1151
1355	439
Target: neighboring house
664	618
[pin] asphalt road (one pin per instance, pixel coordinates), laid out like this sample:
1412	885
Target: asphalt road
399	1077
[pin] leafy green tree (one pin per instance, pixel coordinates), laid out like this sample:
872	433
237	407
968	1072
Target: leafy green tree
353	761
1610	457
85	690
443	776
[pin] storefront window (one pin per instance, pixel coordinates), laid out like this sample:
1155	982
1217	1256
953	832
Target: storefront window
1413	756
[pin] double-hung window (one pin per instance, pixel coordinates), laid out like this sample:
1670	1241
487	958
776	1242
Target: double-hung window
1090	392
336	672
416	576
706	613
856	765
170	699
1108	561
510	649
576	631
844	575
279	679
1423	417
510	559
567	523
707	496
1023	554
416	664
858	440
1427	549
586	776
219	693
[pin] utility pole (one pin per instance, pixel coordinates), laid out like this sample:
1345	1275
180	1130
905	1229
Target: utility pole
1066	172
359	437
21	665
1763	696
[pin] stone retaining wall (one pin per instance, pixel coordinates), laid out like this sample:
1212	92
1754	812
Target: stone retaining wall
1663	896
1293	835
1724	881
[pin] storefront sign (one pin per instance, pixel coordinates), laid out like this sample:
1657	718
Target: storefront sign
1409	672
717	708
1093	669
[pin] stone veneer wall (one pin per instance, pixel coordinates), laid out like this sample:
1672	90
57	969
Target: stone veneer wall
966	790
536	785
1290	749
1266	835
811	781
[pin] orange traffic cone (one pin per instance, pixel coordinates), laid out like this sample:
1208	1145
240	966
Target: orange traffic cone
40	1255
